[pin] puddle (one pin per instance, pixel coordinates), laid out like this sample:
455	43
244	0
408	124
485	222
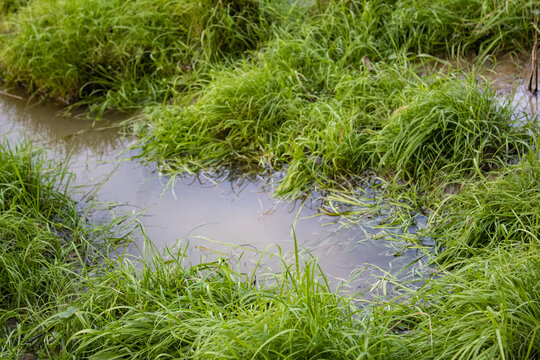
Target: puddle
215	217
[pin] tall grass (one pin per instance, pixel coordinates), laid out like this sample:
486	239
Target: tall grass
385	119
125	54
450	127
486	309
502	212
460	27
36	220
56	306
45	243
10	6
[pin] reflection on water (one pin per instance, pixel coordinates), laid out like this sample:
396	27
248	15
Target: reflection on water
216	216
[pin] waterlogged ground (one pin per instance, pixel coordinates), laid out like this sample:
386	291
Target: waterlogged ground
224	216
233	218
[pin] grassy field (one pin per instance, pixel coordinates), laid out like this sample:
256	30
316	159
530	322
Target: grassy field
330	93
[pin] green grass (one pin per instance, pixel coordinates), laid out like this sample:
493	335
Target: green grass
388	120
36	220
9	6
486	309
490	214
57	306
45	243
124	54
450	127
336	98
326	92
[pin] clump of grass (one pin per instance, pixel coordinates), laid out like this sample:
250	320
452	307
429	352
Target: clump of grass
486	309
326	127
488	214
450	127
42	241
9	6
440	28
207	311
128	54
35	216
270	115
45	244
125	54
57	307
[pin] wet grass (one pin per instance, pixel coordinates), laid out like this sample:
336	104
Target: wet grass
45	243
337	98
325	90
124	54
327	93
502	212
10	6
36	219
118	54
386	120
485	308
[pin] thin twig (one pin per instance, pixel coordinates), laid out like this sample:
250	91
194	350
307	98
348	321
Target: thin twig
11	95
534	60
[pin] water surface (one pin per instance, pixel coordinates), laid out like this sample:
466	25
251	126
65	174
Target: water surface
216	217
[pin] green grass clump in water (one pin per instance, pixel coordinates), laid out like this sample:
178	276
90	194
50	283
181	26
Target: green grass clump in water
384	119
45	244
271	115
125	54
322	104
450	127
459	27
42	241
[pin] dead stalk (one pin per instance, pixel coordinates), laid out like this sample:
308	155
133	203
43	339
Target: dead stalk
534	60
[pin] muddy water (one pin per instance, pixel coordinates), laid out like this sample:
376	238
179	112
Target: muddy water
508	76
216	217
